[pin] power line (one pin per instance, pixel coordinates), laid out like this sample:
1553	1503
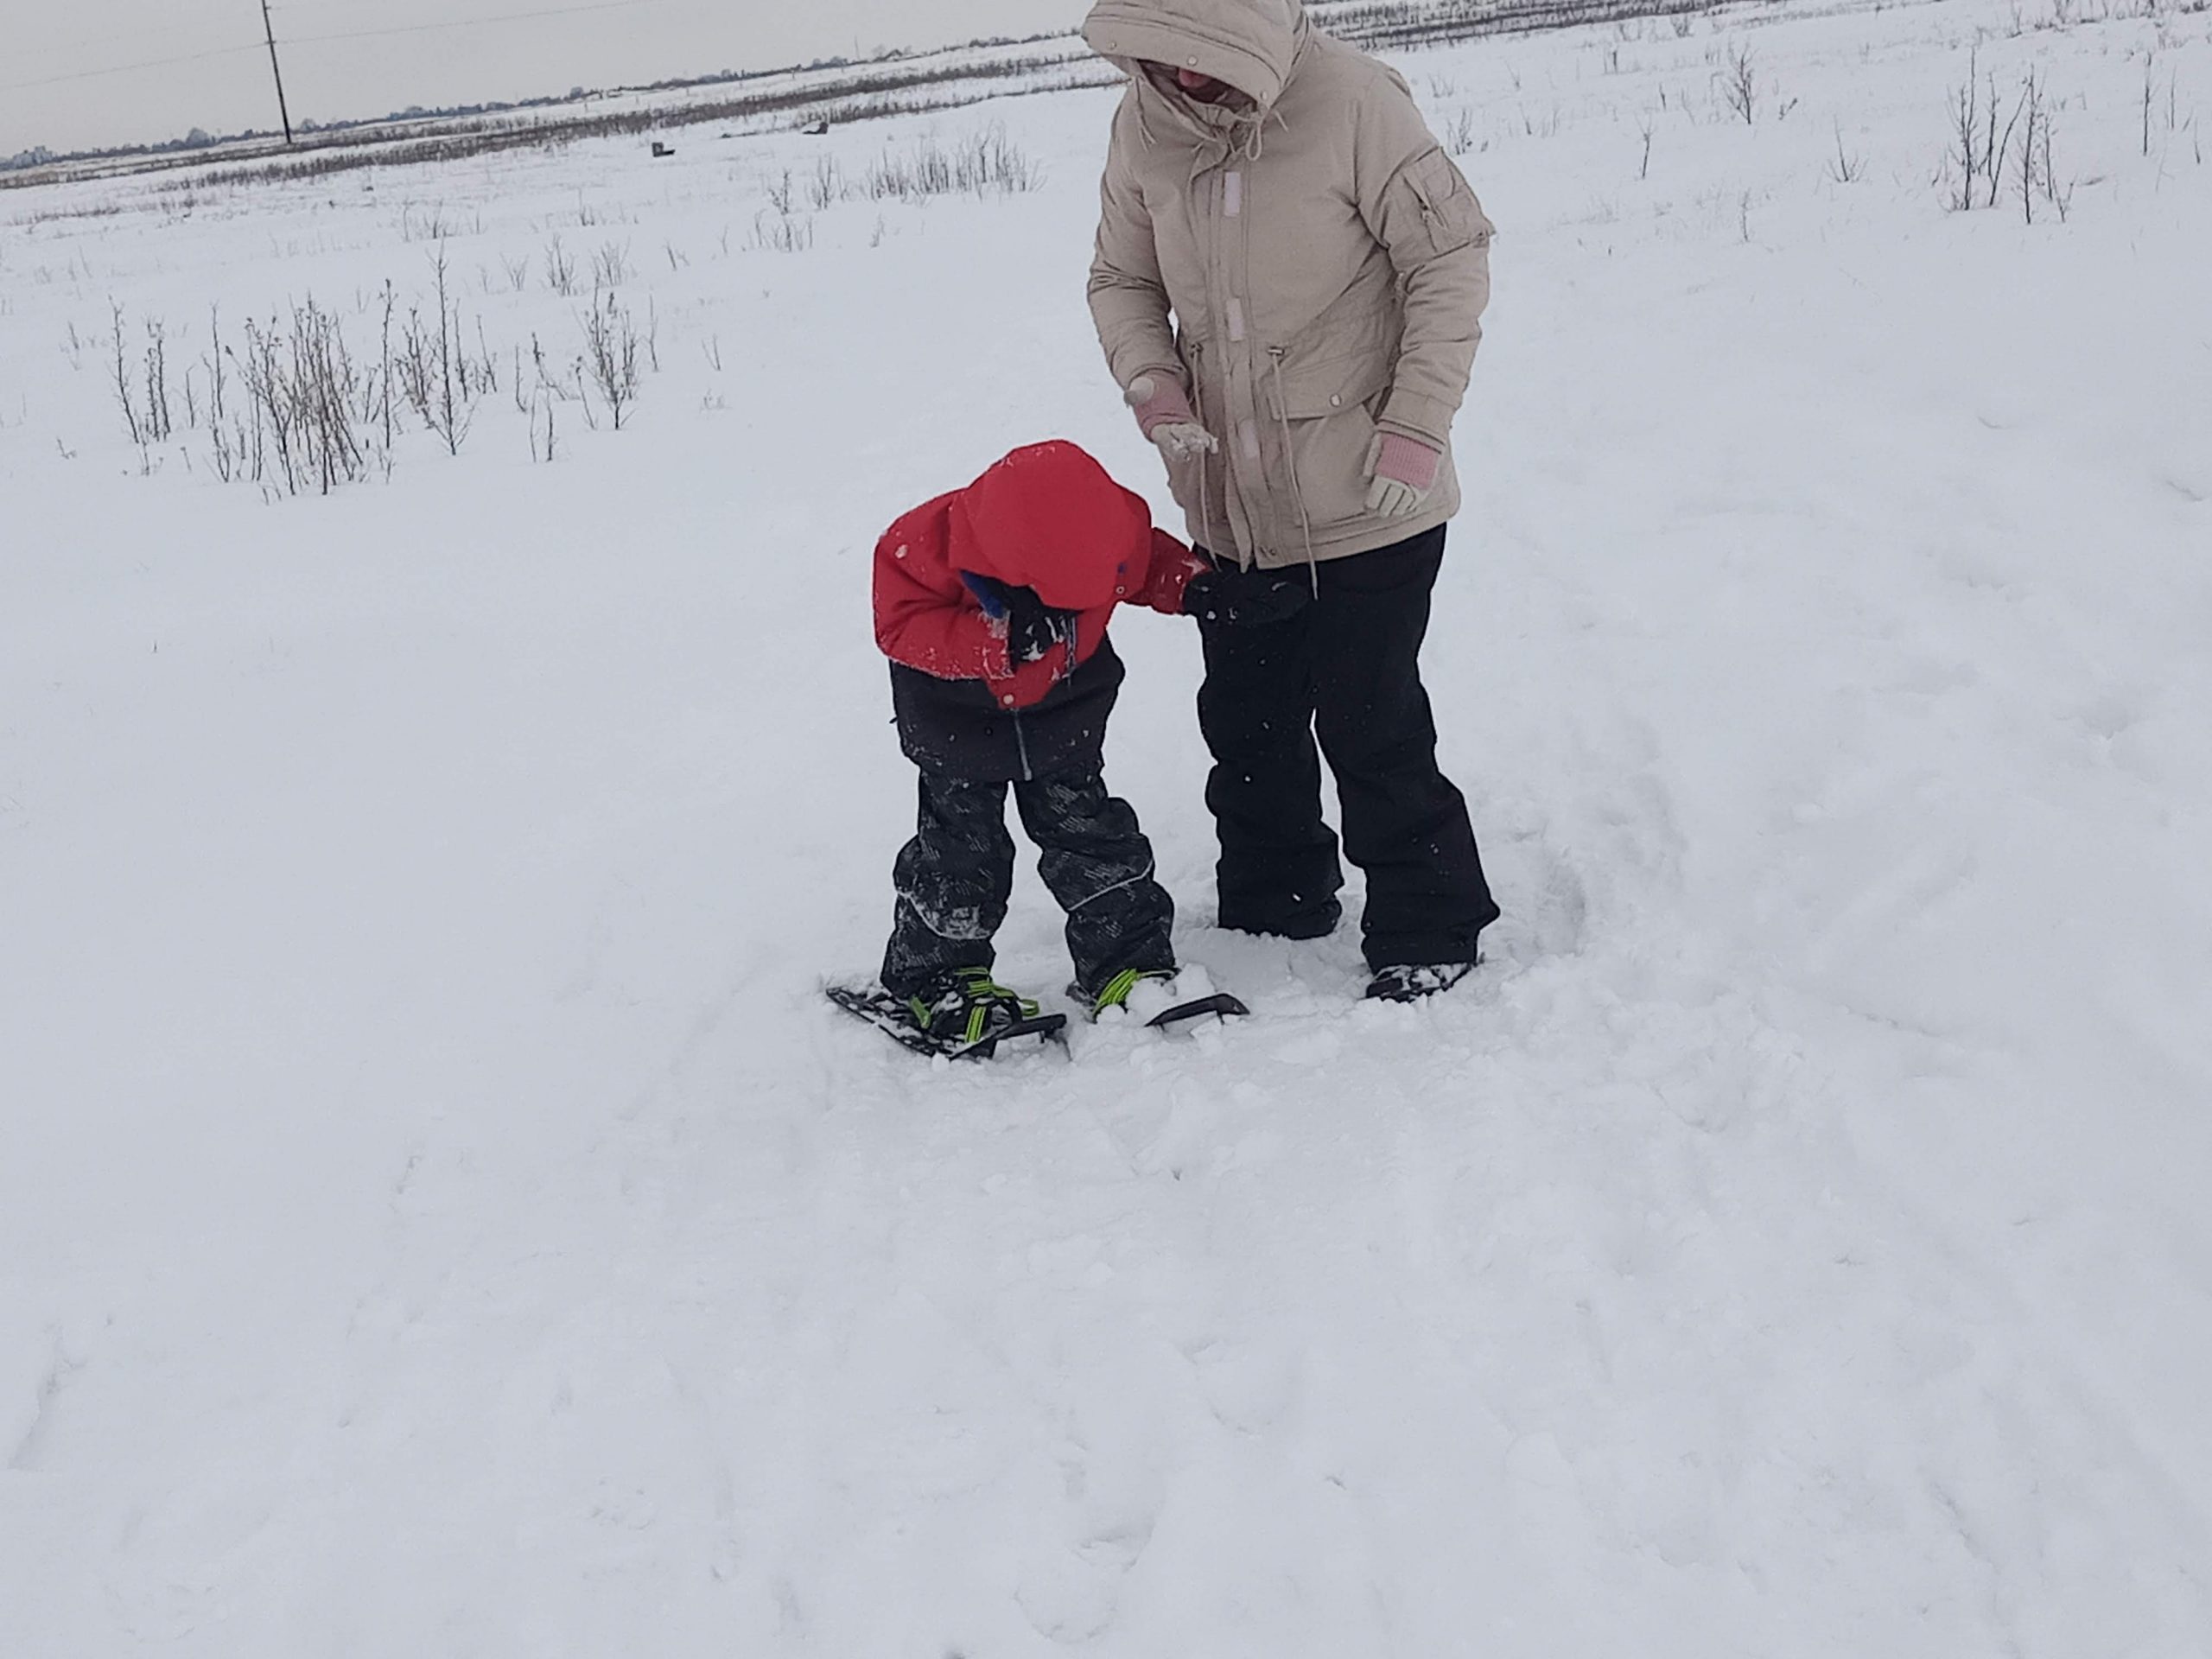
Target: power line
322	40
129	69
471	23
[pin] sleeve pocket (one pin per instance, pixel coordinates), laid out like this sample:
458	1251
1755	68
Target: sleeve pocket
1450	217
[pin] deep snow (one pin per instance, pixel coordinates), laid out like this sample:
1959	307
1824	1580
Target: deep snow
438	1215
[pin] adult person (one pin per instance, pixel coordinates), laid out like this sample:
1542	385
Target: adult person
1288	282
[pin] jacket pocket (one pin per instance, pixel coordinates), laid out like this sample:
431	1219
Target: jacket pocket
1322	410
1451	218
1314	389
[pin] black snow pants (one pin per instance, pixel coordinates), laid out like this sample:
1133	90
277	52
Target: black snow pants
955	876
1344	668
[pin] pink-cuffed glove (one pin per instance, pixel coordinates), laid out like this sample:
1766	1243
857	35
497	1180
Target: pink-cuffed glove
1164	415
1404	472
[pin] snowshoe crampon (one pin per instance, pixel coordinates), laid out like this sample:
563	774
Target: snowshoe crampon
964	1019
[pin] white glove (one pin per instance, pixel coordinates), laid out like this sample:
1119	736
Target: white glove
1403	471
1394	500
1164	412
1184	440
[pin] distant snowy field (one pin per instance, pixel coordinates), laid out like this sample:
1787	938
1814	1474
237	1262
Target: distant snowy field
438	1215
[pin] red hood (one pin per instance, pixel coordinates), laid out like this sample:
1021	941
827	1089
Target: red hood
1047	517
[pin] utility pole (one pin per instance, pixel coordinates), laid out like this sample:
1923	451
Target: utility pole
270	28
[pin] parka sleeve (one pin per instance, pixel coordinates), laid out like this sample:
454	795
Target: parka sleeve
1172	567
925	618
1128	299
1422	211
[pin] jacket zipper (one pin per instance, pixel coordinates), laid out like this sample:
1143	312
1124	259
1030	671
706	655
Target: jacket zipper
1022	747
1428	214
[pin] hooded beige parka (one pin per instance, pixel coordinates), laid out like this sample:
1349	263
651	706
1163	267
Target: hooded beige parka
1312	267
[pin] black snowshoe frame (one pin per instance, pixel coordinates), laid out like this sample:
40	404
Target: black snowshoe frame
889	1015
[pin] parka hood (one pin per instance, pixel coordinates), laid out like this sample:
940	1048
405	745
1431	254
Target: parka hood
1049	517
1252	45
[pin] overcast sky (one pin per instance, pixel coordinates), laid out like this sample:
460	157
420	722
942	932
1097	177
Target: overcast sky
181	64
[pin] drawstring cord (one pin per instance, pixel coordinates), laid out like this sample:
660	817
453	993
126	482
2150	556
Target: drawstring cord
1290	455
1198	406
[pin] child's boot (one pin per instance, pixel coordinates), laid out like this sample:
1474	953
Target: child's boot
966	1005
1158	995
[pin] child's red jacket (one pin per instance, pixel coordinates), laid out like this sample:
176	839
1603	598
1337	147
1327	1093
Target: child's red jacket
1047	517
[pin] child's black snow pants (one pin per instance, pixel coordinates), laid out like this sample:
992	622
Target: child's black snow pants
955	876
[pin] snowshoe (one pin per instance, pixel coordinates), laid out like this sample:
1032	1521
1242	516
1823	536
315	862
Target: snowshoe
1159	998
1410	983
964	1015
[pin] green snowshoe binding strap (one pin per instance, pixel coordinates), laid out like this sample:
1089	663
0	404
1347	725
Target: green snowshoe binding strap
1115	994
969	1006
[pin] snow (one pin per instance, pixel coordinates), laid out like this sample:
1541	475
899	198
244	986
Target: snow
438	1214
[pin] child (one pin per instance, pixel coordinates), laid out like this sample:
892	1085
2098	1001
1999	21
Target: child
992	603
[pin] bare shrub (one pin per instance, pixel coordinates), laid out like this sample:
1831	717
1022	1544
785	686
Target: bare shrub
542	405
782	235
1459	134
1739	86
442	382
1846	168
984	163
2150	73
120	379
159	424
827	188
418	224
560	267
610	266
304	393
610	355
1977	152
1981	152
2034	175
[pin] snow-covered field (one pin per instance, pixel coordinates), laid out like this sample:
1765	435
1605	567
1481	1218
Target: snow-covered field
438	1215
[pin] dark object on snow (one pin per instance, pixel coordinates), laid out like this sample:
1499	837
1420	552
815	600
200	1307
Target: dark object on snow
1410	984
1345	668
954	879
816	129
1246	599
659	148
898	1019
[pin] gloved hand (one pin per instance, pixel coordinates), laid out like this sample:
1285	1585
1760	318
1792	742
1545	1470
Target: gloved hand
1404	472
1030	628
1164	415
1246	599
